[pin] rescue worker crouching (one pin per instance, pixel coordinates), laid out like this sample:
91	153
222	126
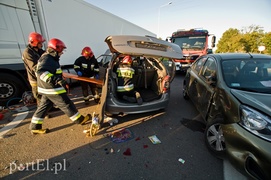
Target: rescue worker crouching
53	88
125	86
87	66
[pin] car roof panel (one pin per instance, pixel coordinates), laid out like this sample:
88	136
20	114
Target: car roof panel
226	56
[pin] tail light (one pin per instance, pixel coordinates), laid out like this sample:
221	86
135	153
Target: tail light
166	84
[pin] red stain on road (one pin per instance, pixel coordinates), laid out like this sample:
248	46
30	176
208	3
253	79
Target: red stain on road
127	152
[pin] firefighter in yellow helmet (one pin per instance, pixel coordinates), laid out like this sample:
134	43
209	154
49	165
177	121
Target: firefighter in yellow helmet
53	88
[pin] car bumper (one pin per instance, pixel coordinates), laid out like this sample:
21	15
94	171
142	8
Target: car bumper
247	152
181	67
114	106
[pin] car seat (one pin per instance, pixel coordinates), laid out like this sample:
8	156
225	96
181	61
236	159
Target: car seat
249	72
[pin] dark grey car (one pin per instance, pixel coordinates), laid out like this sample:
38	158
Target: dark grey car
232	92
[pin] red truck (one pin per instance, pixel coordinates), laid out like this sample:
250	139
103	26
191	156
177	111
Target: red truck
194	43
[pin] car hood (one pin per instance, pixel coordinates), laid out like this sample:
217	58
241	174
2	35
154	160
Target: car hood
259	101
143	46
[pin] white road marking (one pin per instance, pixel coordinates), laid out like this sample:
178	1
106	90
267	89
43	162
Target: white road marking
20	116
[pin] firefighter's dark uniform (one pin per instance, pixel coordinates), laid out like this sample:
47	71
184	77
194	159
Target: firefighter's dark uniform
30	58
125	74
89	68
52	87
125	86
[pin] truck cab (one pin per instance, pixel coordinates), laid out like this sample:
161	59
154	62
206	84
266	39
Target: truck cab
194	43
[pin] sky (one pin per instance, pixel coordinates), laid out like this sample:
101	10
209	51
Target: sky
163	17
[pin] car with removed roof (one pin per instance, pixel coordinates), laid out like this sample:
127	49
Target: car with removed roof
152	61
232	92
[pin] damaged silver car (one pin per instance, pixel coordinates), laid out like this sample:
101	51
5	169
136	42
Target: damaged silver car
152	61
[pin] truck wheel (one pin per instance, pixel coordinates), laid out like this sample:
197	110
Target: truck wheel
10	87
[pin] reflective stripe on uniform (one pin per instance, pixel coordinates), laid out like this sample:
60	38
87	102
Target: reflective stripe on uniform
86	98
85	66
45	76
76	67
37	120
58	71
125	72
76	116
96	69
59	90
125	88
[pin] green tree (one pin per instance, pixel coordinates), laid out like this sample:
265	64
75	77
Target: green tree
251	41
229	41
267	43
251	38
248	39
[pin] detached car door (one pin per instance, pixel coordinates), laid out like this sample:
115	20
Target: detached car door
102	103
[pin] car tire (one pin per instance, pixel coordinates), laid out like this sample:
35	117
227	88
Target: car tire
185	95
214	138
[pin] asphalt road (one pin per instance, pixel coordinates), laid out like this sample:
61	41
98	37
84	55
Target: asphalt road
67	153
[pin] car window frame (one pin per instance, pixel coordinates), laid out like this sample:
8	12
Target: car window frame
212	67
197	66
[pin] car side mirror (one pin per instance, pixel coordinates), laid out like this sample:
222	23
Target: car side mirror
213	41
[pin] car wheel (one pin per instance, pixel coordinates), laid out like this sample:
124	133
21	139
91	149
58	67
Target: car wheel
214	138
185	95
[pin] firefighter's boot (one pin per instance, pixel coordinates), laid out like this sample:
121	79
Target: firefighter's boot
86	99
39	131
86	118
138	98
97	98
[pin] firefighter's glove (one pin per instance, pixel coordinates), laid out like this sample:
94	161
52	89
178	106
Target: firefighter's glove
67	87
62	83
79	73
97	76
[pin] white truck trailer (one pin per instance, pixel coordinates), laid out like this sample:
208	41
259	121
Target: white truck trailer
76	22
